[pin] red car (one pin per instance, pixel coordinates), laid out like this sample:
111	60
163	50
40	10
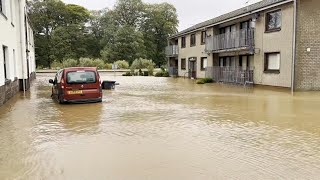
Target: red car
77	85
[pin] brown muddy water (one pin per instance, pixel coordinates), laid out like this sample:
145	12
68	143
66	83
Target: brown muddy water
162	128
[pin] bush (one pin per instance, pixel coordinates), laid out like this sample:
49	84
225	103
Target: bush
208	80
56	65
143	64
205	80
70	63
165	74
122	64
162	74
200	81
108	66
127	74
87	62
159	74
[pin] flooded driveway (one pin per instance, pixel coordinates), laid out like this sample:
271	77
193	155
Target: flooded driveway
162	128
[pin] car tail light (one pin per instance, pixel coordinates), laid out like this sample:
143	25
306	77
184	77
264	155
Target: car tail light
62	83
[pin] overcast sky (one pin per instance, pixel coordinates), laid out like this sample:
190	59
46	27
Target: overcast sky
190	12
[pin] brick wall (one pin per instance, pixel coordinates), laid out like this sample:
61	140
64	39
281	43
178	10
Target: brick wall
8	90
308	36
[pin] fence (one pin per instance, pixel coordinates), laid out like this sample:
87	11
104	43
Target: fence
234	75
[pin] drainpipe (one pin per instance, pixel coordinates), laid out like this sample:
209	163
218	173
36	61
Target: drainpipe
294	47
22	62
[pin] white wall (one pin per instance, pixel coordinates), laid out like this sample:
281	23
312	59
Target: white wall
8	38
12	35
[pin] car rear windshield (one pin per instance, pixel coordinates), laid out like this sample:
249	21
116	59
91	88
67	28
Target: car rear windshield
81	77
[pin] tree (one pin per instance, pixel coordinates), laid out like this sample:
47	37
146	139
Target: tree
129	13
161	21
59	30
65	31
128	45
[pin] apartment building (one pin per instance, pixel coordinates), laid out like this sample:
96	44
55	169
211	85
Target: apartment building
272	42
17	55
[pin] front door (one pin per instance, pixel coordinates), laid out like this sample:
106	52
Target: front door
193	68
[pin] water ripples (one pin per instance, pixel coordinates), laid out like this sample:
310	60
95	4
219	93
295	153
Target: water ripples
159	128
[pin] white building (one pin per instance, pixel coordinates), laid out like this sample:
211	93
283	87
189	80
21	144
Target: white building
17	57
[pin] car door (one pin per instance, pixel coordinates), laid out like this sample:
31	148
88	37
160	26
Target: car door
56	85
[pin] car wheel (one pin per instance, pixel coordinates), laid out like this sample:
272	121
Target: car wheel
60	100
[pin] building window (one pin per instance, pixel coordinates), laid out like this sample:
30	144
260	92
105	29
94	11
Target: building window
5	61
204	63
192	40
203	37
273	21
245	25
3	8
183	64
272	62
183	42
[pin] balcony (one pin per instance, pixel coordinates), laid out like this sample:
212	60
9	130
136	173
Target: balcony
231	41
172	51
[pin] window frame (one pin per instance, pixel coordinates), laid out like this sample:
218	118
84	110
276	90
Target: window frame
203	37
192	44
183	42
5	62
3	9
185	63
202	63
266	63
267	19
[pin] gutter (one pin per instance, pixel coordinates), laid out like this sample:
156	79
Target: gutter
21	49
294	44
233	18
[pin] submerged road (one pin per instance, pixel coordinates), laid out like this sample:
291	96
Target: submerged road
162	128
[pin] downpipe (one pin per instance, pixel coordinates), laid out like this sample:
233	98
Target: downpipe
294	47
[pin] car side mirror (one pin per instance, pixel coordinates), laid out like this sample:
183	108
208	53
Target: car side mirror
51	81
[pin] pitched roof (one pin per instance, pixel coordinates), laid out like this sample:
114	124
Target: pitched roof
238	12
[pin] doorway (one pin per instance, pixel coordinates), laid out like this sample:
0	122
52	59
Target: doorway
193	67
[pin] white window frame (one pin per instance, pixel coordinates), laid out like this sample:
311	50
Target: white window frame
272	62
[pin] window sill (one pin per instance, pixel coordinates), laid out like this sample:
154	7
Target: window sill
203	69
273	30
272	71
183	47
192	45
5	17
203	43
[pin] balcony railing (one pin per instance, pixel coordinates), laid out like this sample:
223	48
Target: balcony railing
242	39
172	50
234	75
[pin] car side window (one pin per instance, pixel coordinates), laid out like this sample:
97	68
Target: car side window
56	79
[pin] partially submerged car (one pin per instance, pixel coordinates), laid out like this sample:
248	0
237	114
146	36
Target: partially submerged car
77	85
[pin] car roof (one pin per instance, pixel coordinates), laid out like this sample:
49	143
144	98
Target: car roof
80	69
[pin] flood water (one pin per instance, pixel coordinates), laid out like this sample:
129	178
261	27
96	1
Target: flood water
162	129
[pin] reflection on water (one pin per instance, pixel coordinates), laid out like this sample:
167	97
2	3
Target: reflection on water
162	128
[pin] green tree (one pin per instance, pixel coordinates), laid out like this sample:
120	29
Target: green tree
161	21
59	30
129	13
128	45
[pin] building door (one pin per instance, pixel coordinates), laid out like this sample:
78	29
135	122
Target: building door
193	68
